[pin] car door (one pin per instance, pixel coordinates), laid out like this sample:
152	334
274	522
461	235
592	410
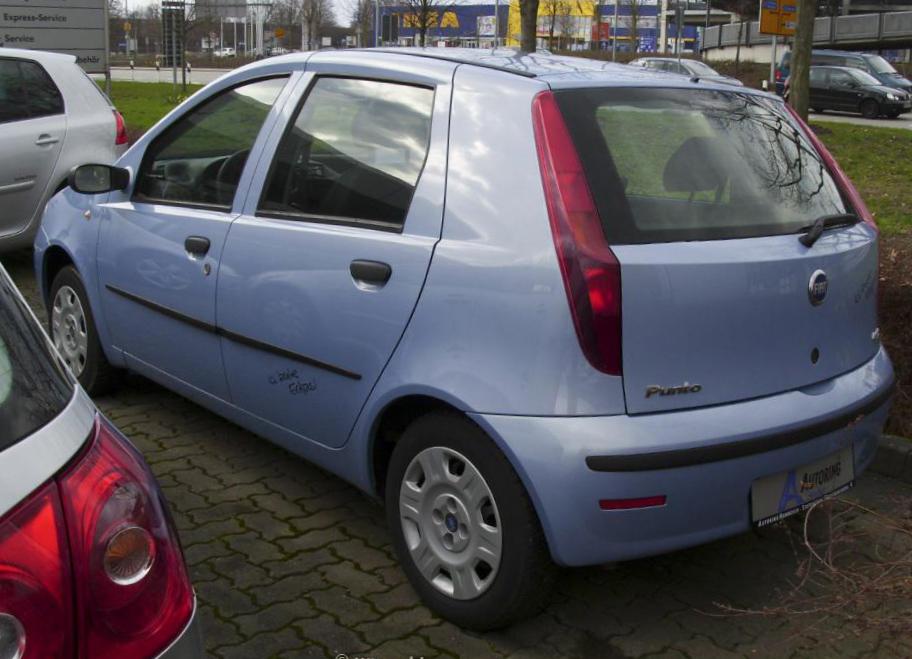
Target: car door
162	238
32	128
322	271
818	91
844	91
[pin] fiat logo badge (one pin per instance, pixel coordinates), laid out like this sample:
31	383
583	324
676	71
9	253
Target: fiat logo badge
817	288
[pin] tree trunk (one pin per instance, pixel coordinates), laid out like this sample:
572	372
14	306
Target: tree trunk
528	20
799	79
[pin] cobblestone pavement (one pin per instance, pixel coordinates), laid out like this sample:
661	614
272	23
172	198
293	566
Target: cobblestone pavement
289	561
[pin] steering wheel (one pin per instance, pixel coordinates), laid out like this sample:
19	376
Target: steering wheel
229	174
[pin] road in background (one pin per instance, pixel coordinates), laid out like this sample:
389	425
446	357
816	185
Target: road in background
903	121
149	74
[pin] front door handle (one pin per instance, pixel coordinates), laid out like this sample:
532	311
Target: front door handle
45	139
197	245
370	272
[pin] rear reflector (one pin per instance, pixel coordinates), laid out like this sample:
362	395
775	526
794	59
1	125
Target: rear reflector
630	504
591	273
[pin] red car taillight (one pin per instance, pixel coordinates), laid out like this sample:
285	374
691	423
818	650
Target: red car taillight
36	599
845	184
90	564
591	272
121	134
778	75
132	588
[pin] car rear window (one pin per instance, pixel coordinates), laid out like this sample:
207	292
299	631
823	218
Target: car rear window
33	386
678	164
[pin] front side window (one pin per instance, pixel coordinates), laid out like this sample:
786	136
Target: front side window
199	159
27	91
352	155
679	164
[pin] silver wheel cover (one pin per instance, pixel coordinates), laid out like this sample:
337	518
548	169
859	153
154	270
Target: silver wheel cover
450	523
69	331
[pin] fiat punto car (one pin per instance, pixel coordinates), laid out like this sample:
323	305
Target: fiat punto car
553	311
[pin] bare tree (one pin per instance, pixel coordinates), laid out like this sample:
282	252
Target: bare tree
550	12
566	23
315	14
425	15
743	9
362	20
633	22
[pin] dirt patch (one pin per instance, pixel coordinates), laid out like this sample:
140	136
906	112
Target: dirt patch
896	323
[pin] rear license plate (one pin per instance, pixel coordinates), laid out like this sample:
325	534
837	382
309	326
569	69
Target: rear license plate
775	497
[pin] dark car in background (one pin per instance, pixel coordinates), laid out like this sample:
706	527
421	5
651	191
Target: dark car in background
851	90
873	64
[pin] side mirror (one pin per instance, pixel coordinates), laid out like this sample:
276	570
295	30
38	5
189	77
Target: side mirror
96	179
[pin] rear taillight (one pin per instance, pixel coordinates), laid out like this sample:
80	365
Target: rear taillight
121	135
132	588
36	603
591	273
778	75
845	185
90	565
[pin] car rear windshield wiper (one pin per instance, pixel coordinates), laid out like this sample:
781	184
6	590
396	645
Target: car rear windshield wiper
815	230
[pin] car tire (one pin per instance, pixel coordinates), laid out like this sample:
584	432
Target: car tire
870	109
817	110
73	332
477	585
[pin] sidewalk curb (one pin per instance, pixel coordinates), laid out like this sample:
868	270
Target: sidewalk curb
894	458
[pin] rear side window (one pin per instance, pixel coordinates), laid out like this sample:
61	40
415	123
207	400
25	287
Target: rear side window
33	387
353	154
199	159
681	164
27	91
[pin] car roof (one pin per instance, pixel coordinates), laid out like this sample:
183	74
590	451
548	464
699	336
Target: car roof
558	71
841	53
37	55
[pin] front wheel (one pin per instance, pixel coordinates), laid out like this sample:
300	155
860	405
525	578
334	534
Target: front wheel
73	333
870	109
463	526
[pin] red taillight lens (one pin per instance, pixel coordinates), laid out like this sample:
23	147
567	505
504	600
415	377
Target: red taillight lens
591	273
846	185
36	606
778	75
133	593
121	135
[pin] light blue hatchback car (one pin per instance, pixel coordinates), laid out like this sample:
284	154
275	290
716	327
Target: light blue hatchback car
553	311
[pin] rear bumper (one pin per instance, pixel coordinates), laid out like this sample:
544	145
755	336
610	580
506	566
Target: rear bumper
704	461
189	645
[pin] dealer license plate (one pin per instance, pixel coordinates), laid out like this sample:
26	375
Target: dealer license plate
775	497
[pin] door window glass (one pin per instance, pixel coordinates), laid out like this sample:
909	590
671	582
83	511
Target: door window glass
27	91
198	160
353	154
818	77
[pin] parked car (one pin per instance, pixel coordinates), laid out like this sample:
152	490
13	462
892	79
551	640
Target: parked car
224	52
477	286
688	67
870	63
90	564
852	90
52	118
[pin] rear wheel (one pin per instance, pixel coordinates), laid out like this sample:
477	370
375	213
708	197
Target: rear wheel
73	333
463	527
870	109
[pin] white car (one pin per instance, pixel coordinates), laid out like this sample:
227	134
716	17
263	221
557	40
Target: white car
225	52
52	118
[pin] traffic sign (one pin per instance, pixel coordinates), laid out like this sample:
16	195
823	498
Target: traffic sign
778	17
280	32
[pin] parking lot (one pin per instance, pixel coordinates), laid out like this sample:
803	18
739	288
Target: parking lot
289	561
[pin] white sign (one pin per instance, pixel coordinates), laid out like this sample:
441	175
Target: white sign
76	27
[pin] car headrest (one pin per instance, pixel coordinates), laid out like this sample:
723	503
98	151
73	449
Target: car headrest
699	164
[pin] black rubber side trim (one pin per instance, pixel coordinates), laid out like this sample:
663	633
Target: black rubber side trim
731	450
232	336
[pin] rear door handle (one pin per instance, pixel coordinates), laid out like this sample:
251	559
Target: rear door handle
370	272
197	245
45	139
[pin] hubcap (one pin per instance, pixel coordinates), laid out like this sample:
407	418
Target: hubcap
68	329
450	523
